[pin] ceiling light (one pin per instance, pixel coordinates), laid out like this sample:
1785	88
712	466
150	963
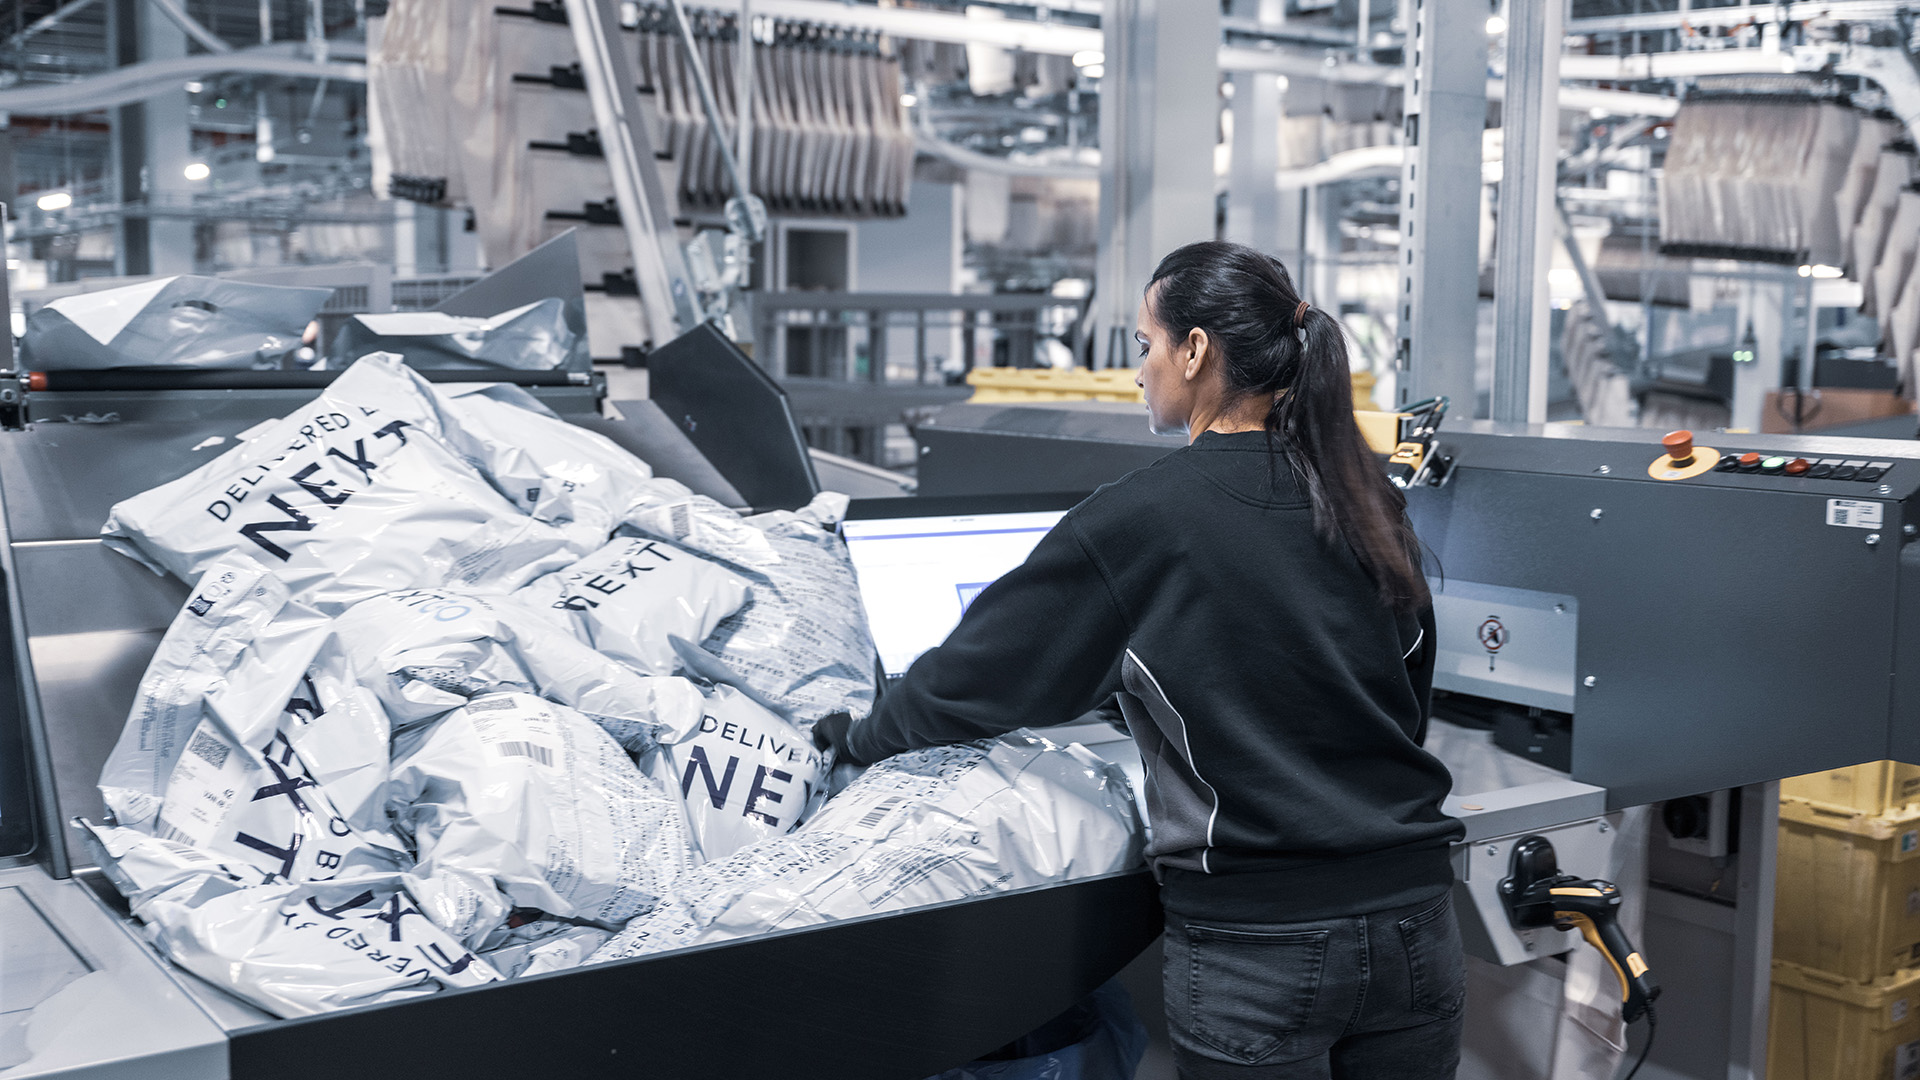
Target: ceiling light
1496	25
1089	58
54	200
908	101
194	87
197	171
1093	71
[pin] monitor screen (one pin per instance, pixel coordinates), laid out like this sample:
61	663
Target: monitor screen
918	574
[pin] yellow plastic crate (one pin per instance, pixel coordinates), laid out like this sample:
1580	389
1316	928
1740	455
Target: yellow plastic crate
1826	1028
995	386
1874	788
1847	893
1028	386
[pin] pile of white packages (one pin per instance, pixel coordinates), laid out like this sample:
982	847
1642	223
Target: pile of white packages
463	692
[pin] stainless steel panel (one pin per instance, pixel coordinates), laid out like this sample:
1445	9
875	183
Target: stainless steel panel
100	1005
87	683
1513	645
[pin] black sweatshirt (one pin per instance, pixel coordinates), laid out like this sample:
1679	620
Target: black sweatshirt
1278	704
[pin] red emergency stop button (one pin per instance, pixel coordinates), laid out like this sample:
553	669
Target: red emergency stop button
1679	446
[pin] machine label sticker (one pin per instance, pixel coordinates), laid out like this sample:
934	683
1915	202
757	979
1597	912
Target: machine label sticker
1854	513
1898	1011
1909	840
1493	635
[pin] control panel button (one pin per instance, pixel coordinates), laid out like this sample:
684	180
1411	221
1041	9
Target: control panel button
1679	446
1869	474
1773	464
1749	462
1845	472
1797	466
1727	464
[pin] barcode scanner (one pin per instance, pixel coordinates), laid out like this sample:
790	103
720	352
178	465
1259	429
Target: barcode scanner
1538	894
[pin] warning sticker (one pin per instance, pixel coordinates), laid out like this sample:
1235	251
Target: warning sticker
1855	513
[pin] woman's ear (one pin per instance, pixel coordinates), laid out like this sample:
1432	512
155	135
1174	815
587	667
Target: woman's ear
1193	353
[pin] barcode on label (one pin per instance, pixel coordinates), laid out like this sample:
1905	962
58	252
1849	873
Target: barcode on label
880	810
682	520
168	832
490	704
209	749
1855	513
532	751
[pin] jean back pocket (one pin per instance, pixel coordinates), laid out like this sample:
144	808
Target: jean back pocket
1248	992
1435	962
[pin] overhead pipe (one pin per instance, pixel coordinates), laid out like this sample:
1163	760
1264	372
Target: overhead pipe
137	82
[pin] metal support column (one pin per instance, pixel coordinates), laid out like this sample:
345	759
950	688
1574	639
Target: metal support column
1156	174
1751	988
1523	248
1446	106
1766	312
659	263
1254	205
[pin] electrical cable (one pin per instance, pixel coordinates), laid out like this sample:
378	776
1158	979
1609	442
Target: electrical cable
1645	1046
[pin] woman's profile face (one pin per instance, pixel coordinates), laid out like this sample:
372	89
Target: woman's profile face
1162	374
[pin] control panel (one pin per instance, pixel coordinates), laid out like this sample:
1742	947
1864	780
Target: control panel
1864	470
1683	460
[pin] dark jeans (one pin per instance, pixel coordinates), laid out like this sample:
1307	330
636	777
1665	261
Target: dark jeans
1371	996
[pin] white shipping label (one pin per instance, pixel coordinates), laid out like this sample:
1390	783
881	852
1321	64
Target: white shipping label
205	781
1855	513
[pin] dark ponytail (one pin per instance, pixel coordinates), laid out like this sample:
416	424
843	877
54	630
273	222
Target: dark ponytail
1246	302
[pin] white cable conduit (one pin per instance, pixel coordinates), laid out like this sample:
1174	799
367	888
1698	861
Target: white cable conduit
1366	161
973	160
1842	10
136	82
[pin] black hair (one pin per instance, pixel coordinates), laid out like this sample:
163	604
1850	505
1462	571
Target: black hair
1247	304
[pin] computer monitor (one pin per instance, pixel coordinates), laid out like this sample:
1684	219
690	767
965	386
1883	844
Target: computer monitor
920	562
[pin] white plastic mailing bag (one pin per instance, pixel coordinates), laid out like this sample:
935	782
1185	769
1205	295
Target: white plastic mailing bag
627	598
296	950
745	775
533	337
515	802
216	752
349	496
182	322
560	473
923	827
542	945
425	652
802	639
142	867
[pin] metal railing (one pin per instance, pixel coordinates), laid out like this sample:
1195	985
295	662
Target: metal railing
869	337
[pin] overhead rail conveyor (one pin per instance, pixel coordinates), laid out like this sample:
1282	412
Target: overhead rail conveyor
843	1001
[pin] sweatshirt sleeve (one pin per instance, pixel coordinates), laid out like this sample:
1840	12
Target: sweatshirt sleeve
1039	646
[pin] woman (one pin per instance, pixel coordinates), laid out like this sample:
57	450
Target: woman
1256	603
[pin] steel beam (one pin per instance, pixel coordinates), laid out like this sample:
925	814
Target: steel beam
1446	108
1530	130
1156	160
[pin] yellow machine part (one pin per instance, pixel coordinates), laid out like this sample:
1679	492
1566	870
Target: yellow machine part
1031	386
